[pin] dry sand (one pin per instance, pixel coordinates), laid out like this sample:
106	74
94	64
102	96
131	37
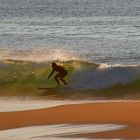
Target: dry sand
125	113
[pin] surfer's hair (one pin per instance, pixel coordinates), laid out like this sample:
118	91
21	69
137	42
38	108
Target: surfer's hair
54	64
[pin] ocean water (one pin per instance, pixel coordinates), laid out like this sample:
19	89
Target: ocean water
100	31
97	41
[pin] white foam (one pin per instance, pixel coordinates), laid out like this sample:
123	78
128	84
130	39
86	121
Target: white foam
19	105
10	105
55	132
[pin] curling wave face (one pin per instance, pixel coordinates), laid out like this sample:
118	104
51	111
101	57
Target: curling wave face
104	76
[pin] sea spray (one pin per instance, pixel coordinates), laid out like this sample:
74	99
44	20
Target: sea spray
38	55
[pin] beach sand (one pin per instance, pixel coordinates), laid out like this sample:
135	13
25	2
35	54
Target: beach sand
124	113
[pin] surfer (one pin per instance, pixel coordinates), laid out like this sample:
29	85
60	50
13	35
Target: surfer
60	75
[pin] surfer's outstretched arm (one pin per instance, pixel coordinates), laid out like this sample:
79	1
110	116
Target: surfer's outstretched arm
51	74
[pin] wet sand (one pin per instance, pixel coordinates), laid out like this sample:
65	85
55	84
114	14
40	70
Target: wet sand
124	113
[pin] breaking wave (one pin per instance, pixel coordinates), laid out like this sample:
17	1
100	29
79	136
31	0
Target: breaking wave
82	76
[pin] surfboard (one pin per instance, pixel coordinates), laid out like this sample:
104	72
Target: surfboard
47	88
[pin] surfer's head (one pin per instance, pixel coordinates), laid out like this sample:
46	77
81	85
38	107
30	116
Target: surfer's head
54	65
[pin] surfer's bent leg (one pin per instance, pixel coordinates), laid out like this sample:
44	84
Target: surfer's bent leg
62	75
56	79
63	80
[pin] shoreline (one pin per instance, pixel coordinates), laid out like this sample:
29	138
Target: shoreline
123	113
